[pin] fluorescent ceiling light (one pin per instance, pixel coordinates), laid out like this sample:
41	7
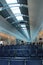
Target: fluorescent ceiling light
25	30
19	18
14	5
15	10
0	8
24	26
11	1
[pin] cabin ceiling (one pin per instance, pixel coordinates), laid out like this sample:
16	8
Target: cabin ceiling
26	16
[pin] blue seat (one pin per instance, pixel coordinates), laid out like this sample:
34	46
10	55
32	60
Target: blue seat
17	62
3	62
33	50
34	62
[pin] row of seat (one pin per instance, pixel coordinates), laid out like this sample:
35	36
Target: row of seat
20	62
27	46
21	50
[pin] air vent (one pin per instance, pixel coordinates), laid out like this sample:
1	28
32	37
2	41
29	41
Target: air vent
22	22
26	18
22	2
24	10
10	20
1	4
4	13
